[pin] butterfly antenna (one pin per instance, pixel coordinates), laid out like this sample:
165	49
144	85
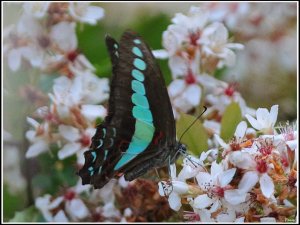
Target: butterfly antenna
205	108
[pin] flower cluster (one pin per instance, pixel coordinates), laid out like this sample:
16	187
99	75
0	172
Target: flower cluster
196	48
248	178
45	36
251	178
245	179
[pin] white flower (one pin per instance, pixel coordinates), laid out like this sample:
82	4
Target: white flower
191	167
92	112
40	138
256	172
82	63
85	89
238	138
181	36
78	140
64	35
76	209
66	93
33	41
94	90
36	9
60	217
216	185
45	205
228	12
184	97
83	12
173	189
195	20
214	43
25	41
265	120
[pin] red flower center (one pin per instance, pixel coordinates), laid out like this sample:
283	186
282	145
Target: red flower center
284	161
69	195
218	191
85	140
194	38
261	166
229	91
266	150
190	78
72	55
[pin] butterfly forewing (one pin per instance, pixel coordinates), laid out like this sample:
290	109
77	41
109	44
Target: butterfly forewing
139	114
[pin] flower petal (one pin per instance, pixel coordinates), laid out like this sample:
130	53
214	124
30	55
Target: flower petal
202	201
60	217
235	196
63	34
68	150
92	112
254	123
77	208
176	87
248	181
226	177
242	160
93	14
241	130
174	201
266	185
204	179
36	149
172	169
216	169
273	114
221	142
180	187
69	133
192	94
160	54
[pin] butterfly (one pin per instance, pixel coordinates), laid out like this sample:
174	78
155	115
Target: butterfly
138	133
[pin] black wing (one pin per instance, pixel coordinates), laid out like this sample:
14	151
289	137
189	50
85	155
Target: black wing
113	137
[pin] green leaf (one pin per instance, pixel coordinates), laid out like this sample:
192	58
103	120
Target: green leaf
195	138
12	202
91	42
54	174
30	214
231	118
